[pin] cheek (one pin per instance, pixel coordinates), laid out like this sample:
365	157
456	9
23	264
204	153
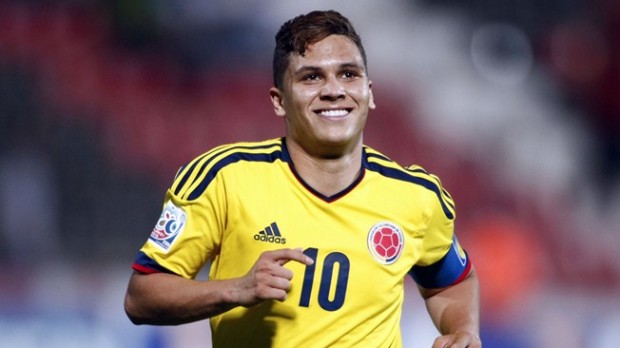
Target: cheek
364	98
361	91
304	92
302	99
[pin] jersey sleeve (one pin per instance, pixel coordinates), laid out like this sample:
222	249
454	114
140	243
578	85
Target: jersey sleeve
188	231
443	262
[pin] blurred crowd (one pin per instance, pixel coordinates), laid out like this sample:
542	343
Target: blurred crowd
515	105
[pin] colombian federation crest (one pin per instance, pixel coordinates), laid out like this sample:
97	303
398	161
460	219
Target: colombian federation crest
169	226
385	242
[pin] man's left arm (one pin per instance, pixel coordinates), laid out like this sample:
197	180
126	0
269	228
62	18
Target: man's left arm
455	311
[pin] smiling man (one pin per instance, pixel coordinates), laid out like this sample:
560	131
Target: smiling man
310	236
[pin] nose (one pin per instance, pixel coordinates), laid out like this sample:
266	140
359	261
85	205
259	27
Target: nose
332	89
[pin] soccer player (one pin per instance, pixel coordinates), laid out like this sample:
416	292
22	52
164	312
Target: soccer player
310	236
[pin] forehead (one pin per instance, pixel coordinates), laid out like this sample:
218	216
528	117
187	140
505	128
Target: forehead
332	50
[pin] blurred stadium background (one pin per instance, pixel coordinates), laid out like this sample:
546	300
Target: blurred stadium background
514	104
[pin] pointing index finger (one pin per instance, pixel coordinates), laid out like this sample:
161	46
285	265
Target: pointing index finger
282	256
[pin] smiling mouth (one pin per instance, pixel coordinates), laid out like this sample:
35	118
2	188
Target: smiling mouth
334	113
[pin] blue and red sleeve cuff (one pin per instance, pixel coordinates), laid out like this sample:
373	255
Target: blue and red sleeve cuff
147	265
451	269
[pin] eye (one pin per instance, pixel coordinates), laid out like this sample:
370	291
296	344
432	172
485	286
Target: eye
311	77
349	74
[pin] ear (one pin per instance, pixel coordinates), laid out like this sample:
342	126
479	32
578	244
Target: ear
277	100
371	99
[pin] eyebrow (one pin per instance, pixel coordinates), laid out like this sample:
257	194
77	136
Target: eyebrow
311	68
307	68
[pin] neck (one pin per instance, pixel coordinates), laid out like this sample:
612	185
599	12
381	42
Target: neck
329	174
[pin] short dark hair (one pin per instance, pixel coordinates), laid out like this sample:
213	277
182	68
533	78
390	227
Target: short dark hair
298	33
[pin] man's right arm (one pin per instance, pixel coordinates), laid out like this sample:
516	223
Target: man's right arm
168	299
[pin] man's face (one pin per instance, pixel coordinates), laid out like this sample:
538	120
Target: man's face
326	96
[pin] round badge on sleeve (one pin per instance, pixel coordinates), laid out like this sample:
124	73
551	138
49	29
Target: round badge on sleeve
169	227
385	242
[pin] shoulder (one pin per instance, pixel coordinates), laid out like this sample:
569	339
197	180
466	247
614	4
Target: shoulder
193	178
413	174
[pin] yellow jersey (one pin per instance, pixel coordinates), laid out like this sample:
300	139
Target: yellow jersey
236	201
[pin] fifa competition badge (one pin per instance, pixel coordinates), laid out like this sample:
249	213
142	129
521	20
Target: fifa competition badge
385	242
169	226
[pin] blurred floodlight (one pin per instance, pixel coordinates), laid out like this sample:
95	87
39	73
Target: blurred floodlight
501	53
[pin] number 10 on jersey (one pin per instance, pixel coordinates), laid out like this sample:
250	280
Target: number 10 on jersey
327	302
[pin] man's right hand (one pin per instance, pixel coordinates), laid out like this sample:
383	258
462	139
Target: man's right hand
268	279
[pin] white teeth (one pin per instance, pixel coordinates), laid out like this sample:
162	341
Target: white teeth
334	113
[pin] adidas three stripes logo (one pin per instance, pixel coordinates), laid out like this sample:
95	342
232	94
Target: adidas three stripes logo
271	234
